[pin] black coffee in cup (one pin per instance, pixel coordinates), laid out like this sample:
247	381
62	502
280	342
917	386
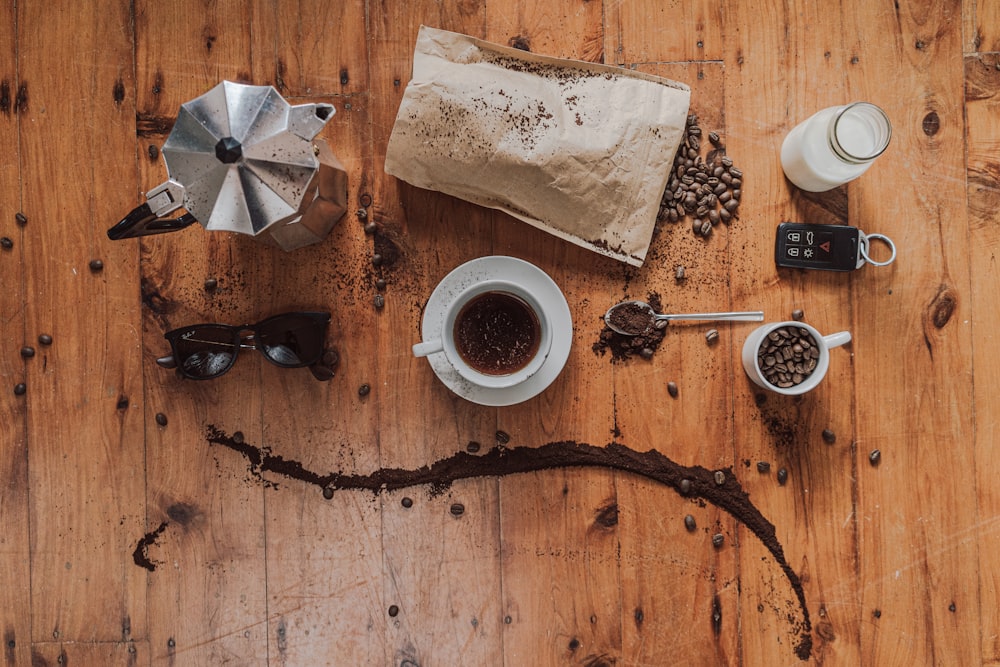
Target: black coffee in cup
497	333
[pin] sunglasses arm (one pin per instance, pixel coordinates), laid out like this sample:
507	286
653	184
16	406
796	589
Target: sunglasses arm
167	362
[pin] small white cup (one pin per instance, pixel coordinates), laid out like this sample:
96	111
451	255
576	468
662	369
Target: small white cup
446	342
823	343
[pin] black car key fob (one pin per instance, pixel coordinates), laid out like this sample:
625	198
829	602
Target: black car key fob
825	247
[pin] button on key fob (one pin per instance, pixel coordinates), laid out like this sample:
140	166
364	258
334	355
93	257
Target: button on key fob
813	246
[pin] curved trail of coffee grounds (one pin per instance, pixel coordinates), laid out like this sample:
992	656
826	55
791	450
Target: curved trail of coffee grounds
501	461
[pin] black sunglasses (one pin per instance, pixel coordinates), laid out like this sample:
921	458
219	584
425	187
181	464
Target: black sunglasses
289	340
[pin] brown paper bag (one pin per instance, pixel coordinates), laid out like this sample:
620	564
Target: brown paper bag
580	150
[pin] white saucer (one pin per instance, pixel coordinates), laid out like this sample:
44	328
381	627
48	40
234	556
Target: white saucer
531	278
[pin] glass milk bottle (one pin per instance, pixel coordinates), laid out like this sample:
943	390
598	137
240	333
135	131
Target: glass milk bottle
834	146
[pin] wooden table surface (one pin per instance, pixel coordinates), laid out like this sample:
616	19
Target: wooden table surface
109	463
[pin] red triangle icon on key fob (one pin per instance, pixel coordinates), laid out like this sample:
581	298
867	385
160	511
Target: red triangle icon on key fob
825	246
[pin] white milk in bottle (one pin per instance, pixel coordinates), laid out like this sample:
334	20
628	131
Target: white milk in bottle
834	146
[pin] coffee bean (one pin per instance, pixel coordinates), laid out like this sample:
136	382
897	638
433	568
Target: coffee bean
782	476
379	301
153	152
472	447
689	523
672	389
211	285
376	259
380	283
406	502
646	353
727	162
96	265
829	437
797	314
45	339
161	419
361	214
21	219
719	477
685	487
712	336
718	540
20	389
715	139
457	509
502	437
6	243
370	228
364	390
875	457
731	205
706	227
27	352
328	492
763	467
393	610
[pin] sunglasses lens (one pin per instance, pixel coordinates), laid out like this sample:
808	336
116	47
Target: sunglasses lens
292	340
205	351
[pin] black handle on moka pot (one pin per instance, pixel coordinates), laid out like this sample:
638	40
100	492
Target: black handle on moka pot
146	219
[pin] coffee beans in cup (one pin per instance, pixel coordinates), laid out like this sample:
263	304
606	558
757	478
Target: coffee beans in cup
497	333
787	356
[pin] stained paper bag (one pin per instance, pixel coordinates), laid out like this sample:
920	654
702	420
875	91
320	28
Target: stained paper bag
580	150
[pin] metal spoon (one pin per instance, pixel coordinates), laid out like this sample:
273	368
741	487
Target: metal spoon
745	316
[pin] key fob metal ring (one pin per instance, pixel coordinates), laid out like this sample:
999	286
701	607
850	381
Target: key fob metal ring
863	249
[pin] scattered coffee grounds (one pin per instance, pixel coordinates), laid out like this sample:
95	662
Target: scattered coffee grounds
622	347
707	190
141	554
630	317
787	356
829	437
502	461
497	333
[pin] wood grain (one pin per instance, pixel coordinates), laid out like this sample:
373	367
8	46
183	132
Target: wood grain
107	453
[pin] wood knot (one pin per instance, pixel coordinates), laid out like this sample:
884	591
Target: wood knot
931	123
942	306
824	630
607	516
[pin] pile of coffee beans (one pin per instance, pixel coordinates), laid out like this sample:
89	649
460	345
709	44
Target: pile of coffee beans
707	190
787	356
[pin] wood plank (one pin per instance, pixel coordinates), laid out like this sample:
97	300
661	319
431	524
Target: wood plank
803	67
448	602
672	582
914	388
207	598
559	563
15	548
982	103
86	503
324	574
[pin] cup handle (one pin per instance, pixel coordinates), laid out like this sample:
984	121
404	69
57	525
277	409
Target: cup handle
837	339
427	347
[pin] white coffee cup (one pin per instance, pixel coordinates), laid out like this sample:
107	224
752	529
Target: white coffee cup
823	344
446	343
